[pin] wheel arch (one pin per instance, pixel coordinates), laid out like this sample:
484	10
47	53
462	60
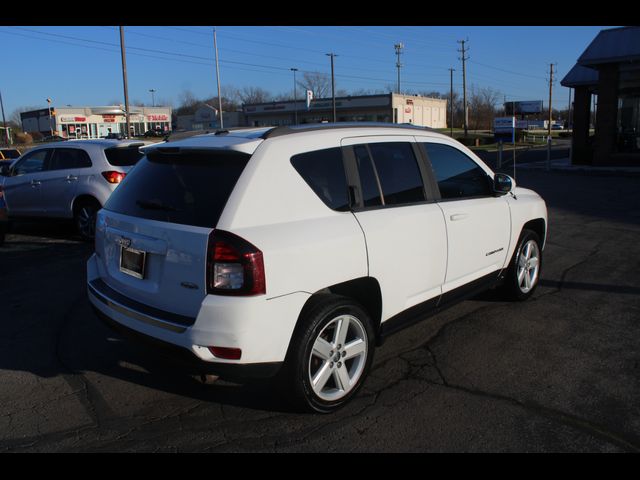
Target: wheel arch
80	199
539	226
364	291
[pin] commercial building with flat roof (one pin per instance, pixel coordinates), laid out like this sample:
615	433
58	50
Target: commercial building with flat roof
388	108
95	122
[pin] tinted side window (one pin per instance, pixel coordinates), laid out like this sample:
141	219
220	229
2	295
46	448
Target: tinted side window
66	158
458	176
398	172
31	163
323	171
368	180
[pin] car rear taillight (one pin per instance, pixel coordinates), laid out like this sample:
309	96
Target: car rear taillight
226	353
113	177
234	266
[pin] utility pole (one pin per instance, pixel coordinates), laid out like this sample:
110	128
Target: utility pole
333	87
464	58
451	70
4	122
550	97
153	97
124	79
550	116
398	47
215	47
295	97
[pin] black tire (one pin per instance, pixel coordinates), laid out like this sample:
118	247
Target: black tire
322	319
84	216
513	288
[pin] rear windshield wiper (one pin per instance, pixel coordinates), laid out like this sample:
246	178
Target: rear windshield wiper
155	205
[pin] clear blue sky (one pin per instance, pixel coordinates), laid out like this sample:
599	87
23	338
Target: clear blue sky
81	65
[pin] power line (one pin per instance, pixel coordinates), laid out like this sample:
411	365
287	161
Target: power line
507	71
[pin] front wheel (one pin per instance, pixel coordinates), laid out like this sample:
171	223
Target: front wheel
523	275
331	354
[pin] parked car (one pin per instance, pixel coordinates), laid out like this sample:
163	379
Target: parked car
9	153
114	136
292	252
68	180
4	218
155	133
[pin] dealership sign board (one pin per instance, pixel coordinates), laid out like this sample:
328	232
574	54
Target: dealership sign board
504	128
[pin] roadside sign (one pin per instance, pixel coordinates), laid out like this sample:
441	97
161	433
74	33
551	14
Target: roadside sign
504	129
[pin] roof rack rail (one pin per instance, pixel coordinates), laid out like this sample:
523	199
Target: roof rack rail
309	127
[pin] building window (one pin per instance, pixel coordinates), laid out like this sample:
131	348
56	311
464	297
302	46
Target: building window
628	125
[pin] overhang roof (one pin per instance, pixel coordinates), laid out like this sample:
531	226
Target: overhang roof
613	46
580	76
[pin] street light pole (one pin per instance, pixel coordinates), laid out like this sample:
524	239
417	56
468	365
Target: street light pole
50	126
295	97
124	79
333	87
153	98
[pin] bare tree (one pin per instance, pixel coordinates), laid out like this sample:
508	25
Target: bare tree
319	83
255	95
482	107
188	103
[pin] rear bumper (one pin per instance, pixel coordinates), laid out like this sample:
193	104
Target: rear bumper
262	328
186	358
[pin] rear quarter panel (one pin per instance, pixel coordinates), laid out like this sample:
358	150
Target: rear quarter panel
306	245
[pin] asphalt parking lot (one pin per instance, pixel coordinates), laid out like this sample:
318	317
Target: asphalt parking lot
558	373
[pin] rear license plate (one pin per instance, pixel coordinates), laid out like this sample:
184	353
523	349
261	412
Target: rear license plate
132	261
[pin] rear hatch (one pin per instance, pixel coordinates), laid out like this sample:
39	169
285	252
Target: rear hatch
152	234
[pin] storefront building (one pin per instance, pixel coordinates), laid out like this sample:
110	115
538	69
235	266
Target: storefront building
95	122
609	69
387	108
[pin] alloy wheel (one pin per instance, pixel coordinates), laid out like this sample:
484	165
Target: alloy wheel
528	266
338	358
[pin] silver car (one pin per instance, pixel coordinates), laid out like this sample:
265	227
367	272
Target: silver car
71	179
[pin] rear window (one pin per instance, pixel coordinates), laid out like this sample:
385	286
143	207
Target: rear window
123	156
189	188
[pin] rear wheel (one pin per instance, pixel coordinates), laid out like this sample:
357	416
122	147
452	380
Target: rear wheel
331	354
85	218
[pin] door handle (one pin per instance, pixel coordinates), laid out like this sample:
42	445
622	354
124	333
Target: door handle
458	216
71	178
35	183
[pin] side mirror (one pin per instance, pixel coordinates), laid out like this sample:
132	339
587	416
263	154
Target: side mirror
5	171
503	184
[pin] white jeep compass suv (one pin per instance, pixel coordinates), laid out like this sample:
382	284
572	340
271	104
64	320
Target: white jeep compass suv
290	252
